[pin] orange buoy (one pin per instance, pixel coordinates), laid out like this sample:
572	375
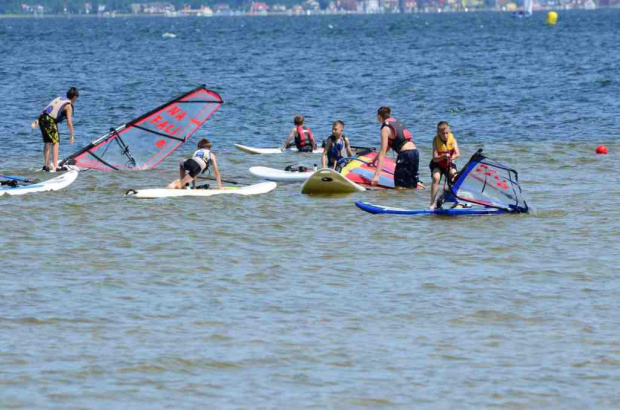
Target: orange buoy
601	149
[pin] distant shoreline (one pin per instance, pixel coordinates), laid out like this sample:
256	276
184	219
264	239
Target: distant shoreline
242	14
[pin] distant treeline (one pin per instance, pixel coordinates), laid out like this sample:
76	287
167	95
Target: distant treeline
123	6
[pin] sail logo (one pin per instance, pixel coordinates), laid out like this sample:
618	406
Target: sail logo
168	125
489	172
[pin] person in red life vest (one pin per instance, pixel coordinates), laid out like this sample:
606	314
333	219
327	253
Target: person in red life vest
304	139
336	146
52	115
445	151
394	135
200	162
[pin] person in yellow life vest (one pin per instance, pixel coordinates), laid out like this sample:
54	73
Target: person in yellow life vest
445	151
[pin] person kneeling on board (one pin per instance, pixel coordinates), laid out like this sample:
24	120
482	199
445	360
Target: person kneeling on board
445	151
336	146
200	162
304	139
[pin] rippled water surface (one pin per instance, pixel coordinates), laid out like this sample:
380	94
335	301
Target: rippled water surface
284	300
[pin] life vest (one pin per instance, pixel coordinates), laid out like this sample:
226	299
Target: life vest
304	137
203	157
337	150
444	148
401	134
56	109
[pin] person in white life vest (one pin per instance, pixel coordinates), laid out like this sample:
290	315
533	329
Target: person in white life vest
202	160
445	151
52	115
304	139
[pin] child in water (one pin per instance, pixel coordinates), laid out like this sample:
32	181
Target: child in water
445	151
304	139
200	162
336	146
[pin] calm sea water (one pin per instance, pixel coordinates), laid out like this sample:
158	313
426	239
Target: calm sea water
287	301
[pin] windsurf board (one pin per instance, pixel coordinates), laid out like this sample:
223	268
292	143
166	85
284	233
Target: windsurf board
379	209
254	150
272	174
256	189
53	184
327	181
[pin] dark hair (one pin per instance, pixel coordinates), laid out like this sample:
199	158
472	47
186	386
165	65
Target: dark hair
204	143
384	112
73	92
298	120
442	124
338	122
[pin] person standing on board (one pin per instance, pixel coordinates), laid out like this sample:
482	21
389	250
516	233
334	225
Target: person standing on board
55	113
445	151
200	162
336	146
394	135
304	139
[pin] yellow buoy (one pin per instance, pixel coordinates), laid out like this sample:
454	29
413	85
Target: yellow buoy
552	18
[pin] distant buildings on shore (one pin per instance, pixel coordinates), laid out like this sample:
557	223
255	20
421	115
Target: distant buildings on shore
309	7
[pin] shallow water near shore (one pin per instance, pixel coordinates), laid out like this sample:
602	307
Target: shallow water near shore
286	300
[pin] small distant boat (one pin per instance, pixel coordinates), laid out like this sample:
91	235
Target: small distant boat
528	6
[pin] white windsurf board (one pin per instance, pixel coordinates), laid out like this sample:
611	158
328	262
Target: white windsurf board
254	150
256	189
53	184
272	174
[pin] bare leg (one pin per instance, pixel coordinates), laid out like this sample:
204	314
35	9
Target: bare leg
181	183
435	188
177	183
54	156
46	153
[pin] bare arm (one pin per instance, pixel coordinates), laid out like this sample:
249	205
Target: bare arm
325	151
69	111
457	153
288	139
348	147
218	179
385	135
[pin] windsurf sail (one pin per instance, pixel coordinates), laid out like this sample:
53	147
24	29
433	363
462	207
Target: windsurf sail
359	170
147	140
486	182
